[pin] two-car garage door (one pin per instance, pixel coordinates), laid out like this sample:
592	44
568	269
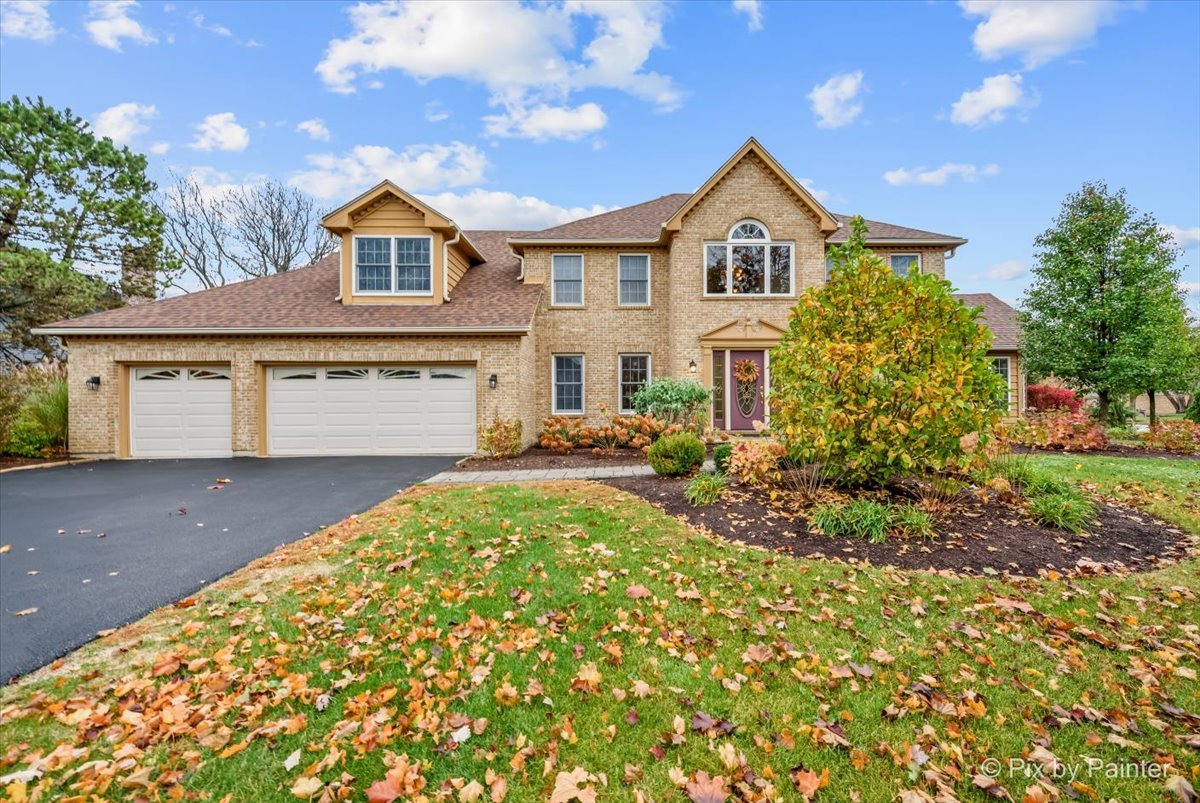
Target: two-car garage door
311	410
349	410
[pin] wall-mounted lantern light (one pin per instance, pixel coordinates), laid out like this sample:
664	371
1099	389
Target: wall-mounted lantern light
93	383
692	367
493	381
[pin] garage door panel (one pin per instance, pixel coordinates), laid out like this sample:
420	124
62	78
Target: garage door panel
180	412
384	410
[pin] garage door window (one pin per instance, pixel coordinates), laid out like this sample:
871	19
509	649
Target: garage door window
346	373
157	374
293	373
444	374
206	373
399	373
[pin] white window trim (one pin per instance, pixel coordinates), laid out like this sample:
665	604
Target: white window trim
391	238
1008	376
730	238
554	302
920	267
582	384
649	277
729	244
649	374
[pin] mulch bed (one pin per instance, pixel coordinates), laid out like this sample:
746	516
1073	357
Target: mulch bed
975	538
538	458
1114	450
8	461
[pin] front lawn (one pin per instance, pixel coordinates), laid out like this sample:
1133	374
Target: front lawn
571	642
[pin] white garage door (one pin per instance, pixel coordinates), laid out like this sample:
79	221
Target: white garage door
180	412
401	409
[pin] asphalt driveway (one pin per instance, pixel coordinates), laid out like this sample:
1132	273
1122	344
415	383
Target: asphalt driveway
97	545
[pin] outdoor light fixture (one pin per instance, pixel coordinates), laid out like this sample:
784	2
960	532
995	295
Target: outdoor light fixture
692	366
492	381
93	383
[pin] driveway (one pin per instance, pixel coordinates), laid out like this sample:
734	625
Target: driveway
98	545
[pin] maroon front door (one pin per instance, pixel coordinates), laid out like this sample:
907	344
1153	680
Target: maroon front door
746	379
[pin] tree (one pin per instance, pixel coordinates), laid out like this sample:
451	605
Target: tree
242	233
71	206
880	374
1104	308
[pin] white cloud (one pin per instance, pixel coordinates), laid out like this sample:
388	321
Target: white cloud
1184	238
543	122
991	102
938	176
1190	288
753	11
835	102
221	132
214	184
109	22
123	122
483	209
822	196
197	19
1006	271
417	168
1037	31
521	53
435	112
315	128
160	148
27	19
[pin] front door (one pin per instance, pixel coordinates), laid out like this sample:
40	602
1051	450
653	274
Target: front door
747	378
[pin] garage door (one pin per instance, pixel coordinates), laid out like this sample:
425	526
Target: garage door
180	412
401	409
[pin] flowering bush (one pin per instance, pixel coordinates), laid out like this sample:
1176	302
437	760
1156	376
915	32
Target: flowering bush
753	461
1059	429
501	438
1174	435
560	433
1049	397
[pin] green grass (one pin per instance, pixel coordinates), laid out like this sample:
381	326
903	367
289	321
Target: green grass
419	616
1167	488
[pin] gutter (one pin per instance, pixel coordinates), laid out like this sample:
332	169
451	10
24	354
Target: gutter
281	330
446	260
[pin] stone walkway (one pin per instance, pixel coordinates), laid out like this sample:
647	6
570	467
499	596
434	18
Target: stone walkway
538	474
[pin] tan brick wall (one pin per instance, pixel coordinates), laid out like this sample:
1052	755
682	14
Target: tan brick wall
96	415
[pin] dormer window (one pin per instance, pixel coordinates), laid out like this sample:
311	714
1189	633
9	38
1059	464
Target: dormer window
748	263
398	266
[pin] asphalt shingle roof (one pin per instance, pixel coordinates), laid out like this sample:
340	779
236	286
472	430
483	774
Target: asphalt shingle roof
999	316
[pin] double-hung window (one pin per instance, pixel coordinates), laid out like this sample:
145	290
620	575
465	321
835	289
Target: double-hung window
633	280
400	266
748	263
566	280
568	384
903	263
1001	366
633	372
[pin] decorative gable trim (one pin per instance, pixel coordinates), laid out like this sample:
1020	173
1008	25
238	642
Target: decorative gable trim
758	156
749	332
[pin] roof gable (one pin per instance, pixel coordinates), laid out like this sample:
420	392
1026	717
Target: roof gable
824	220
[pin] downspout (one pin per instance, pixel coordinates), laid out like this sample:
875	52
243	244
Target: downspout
446	261
521	259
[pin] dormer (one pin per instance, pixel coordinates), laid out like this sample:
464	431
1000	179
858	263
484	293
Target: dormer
398	250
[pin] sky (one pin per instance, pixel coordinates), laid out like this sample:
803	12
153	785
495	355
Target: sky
973	118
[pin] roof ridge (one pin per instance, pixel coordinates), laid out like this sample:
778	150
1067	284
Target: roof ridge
615	211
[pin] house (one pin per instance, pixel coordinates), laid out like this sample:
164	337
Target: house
417	331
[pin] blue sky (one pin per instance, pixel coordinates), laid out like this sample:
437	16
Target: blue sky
971	118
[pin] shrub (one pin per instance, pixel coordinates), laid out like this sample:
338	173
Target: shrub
754	461
866	518
500	438
560	433
1192	411
1059	429
48	408
1066	511
721	454
1050	397
17	383
26	439
882	374
12	394
1174	435
675	401
704	489
676	455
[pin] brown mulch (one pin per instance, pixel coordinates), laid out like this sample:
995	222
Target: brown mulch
1113	450
536	458
9	461
976	537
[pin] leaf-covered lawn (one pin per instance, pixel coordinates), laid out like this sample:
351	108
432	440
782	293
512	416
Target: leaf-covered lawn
1170	489
570	642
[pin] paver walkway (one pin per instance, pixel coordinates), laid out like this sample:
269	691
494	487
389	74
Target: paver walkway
536	474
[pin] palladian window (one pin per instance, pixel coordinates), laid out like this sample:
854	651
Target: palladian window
748	263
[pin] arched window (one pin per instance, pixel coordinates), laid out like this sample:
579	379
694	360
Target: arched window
748	263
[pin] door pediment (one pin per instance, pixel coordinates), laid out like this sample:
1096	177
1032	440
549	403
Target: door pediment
743	332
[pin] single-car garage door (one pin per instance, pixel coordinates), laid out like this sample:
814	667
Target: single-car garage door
348	410
180	412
